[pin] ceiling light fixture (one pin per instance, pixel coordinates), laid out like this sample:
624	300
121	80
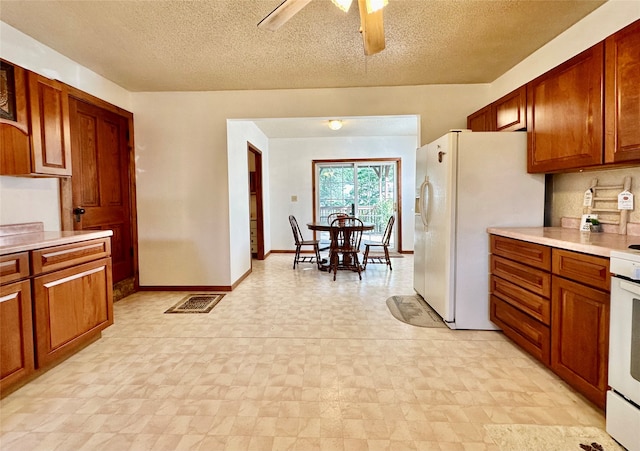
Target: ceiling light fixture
335	124
375	5
343	4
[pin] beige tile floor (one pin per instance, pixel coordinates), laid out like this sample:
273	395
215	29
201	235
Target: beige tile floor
290	360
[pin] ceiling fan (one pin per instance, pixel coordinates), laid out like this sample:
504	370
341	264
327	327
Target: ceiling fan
371	23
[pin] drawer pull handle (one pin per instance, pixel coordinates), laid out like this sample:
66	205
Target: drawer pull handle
73	277
8	297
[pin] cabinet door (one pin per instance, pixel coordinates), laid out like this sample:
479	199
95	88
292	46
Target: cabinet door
480	121
580	337
15	157
509	112
71	307
50	131
622	95
564	117
16	333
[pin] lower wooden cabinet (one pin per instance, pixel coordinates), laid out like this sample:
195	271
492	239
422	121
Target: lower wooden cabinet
16	333
71	306
530	334
53	301
554	303
580	337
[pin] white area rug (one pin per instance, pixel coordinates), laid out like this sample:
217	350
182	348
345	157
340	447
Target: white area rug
531	437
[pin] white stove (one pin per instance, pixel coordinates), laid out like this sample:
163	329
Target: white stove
623	399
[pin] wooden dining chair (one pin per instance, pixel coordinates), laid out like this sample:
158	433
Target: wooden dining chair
333	216
300	241
384	244
346	236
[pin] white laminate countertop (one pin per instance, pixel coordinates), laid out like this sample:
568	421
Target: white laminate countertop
600	244
22	242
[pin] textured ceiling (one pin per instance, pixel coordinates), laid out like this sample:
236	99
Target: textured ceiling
407	125
215	44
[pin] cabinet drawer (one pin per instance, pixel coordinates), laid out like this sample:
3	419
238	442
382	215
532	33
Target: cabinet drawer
531	335
14	267
59	257
588	269
532	304
534	280
531	254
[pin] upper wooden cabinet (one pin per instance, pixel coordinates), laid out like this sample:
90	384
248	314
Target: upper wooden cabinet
564	117
14	119
622	95
508	113
34	131
50	129
480	121
583	113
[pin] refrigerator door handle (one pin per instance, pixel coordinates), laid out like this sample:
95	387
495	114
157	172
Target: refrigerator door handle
424	201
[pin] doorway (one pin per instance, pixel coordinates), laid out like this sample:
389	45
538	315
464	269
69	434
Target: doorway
367	189
256	217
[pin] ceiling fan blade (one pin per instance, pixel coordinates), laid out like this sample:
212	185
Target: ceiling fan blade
285	11
372	29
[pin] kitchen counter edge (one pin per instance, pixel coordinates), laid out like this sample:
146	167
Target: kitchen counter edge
600	244
11	244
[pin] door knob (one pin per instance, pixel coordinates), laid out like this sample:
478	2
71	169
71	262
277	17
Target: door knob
77	212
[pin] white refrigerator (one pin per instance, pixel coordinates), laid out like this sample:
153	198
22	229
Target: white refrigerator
468	181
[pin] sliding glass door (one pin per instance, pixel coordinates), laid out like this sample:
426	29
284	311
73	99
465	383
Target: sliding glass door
366	189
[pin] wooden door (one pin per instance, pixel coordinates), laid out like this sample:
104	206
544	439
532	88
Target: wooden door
100	182
564	117
622	95
580	337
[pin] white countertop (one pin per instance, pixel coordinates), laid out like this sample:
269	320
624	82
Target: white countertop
600	244
22	242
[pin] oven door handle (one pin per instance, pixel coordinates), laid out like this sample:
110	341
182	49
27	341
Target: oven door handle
630	287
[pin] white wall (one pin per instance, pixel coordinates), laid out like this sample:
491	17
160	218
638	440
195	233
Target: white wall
291	175
181	187
38	200
185	155
238	134
30	200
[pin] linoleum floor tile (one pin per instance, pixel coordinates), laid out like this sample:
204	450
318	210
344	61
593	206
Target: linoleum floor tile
288	360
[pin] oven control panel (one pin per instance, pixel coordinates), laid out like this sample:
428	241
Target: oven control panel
625	264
